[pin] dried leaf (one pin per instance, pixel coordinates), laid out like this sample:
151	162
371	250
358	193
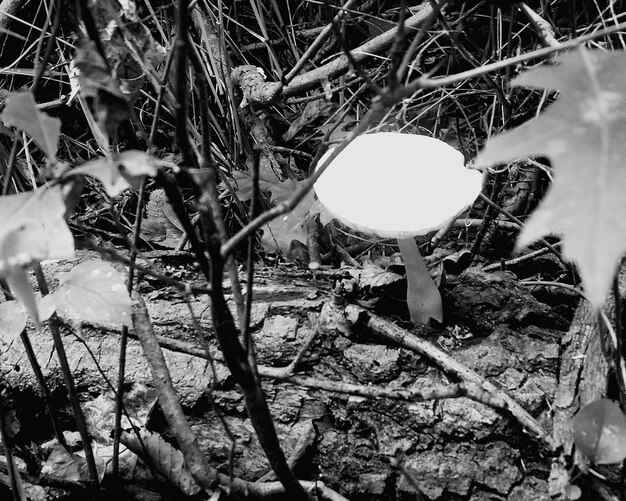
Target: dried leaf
374	276
267	181
161	225
166	459
128	44
312	111
62	465
281	231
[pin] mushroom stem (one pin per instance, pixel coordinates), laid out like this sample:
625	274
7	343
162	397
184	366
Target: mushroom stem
422	296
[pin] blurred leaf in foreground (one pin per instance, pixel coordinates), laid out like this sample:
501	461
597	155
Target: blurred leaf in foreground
582	134
21	112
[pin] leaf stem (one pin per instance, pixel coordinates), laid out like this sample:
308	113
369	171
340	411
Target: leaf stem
69	382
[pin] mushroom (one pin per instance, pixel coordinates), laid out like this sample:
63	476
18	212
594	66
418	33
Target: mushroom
400	185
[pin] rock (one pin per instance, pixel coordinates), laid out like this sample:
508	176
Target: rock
483	301
276	342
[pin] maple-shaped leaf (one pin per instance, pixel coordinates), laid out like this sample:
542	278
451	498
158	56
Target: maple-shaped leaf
325	216
94	291
21	112
374	276
290	226
281	231
268	181
582	134
120	170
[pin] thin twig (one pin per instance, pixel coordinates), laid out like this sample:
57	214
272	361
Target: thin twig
41	65
81	424
426	82
236	357
180	48
124	336
195	461
404	338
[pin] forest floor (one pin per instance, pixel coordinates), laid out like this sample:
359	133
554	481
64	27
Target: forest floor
366	448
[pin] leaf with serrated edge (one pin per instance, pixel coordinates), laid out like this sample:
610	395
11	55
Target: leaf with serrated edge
94	291
374	276
582	134
21	112
281	231
290	226
243	180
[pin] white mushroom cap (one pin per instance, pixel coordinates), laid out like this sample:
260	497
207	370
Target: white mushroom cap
397	185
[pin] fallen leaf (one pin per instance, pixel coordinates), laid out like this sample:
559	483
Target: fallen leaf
312	111
243	179
374	276
165	458
161	224
70	467
281	231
